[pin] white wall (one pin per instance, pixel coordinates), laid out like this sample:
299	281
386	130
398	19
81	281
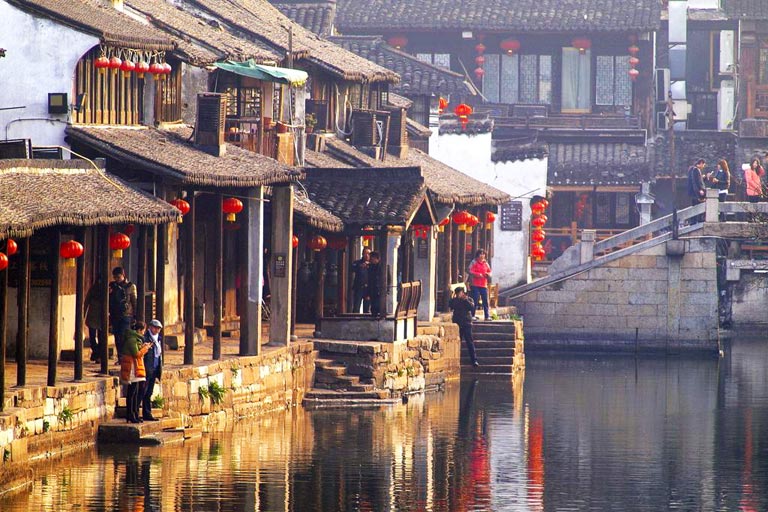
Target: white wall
471	154
40	59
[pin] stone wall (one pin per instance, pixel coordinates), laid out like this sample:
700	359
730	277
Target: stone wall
749	299
644	301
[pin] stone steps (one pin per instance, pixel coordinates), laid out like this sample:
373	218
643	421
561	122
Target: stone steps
119	431
490	368
323	394
492	352
488	360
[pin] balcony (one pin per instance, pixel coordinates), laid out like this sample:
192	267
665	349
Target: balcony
275	140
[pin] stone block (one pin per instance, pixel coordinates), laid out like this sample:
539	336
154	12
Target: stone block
697	274
610	274
698	298
638	310
662	262
648	298
637	261
562	297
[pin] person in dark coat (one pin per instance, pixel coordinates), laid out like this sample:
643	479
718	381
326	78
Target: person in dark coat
463	307
374	283
696	189
360	271
153	363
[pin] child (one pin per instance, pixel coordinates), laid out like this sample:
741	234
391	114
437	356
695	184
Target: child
462	307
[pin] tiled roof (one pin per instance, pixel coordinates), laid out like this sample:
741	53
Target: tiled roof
356	16
747	9
202	42
170	153
597	164
416	77
260	21
317	16
99	19
416	129
36	194
315	215
367	196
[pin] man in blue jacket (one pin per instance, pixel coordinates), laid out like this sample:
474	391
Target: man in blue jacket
153	362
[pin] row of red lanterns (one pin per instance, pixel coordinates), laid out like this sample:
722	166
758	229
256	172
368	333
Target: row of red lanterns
115	63
467	222
633	61
538	220
230	206
10	249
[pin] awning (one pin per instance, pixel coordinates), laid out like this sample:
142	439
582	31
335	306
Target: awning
293	77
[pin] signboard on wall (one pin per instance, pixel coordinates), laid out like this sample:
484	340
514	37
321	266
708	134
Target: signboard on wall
511	216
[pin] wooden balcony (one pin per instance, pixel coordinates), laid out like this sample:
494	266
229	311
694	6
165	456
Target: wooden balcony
250	134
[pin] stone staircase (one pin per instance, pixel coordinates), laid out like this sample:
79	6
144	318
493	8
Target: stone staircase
499	348
150	433
332	382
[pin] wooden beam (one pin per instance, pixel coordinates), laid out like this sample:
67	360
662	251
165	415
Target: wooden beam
79	307
105	272
218	273
189	281
22	336
53	313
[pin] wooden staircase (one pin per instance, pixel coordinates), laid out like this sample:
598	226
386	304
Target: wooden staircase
499	348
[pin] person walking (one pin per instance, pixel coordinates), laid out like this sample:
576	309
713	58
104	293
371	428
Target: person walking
93	313
721	180
479	273
360	283
153	364
463	309
696	190
122	305
374	283
752	180
132	371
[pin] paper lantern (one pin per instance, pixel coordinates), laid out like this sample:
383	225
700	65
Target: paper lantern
118	242
397	41
127	66
461	218
3	261
633	50
539	221
490	218
582	44
480	48
294	241
510	46
317	243
544	203
479	73
537	251
141	68
232	206
101	63
633	62
537	208
11	247
633	74
463	111
182	206
442	104
479	60
471	223
69	251
367	238
538	235
443	223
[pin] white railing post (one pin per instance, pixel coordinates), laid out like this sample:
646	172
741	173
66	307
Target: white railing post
588	237
712	206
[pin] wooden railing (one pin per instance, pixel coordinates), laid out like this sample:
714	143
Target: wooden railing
408	300
250	135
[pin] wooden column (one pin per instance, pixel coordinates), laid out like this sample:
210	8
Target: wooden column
282	234
218	273
446	265
352	255
189	281
251	272
103	255
382	248
320	287
3	329
22	336
53	313
161	261
80	306
342	281
476	238
408	246
294	291
455	265
141	275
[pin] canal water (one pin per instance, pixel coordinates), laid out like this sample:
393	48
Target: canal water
574	434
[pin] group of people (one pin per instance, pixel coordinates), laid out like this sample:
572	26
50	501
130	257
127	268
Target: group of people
722	180
139	346
366	283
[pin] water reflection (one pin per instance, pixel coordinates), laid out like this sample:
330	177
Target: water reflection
586	434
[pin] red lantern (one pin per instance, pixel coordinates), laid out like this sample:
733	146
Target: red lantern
167	69
115	63
127	66
538	235
3	261
461	218
510	46
479	72
397	41
101	62
479	60
463	111
633	74
156	69
71	250
633	50
232	206
633	62
11	247
490	218
182	206
317	243
471	223
443	223
119	242
544	203
294	241
537	208
338	243
539	221
442	104
480	48
537	251
582	44
141	68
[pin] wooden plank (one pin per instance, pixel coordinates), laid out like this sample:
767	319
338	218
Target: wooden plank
79	307
22	336
53	313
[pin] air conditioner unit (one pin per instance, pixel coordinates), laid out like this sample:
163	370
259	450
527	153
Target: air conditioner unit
662	84
727	52
209	126
726	105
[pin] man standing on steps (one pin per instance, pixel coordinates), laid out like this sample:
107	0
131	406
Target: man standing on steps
463	307
122	305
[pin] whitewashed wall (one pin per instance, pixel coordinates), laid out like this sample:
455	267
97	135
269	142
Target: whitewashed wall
41	56
471	154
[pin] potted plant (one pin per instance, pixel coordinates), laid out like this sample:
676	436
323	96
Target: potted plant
310	121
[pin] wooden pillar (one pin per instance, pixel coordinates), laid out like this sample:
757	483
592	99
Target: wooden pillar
152	259
342	283
251	272
476	239
22	336
320	287
352	255
384	262
294	290
407	243
189	281
446	265
79	307
160	262
103	254
455	260
218	273
3	330
282	234
141	275
53	313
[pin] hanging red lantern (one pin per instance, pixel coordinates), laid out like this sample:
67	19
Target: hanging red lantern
582	44
3	261
510	46
633	50
114	63
101	62
367	238
232	206
479	60
156	69
539	221
479	72
537	208
141	68
471	223
11	247
127	66
460	218
490	218
538	235
480	48
337	243
294	241
167	69
182	206
537	251
442	104
443	223
544	203
317	243
633	74
69	251
118	242
463	111
633	62
398	41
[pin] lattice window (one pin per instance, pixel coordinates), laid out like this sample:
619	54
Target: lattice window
529	80
613	85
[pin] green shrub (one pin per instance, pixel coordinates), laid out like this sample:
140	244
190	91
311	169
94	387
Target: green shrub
158	402
216	392
66	416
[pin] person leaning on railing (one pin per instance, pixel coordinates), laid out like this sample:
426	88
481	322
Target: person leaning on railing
752	179
720	179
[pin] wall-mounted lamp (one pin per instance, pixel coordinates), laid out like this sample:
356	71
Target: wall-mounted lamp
57	103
